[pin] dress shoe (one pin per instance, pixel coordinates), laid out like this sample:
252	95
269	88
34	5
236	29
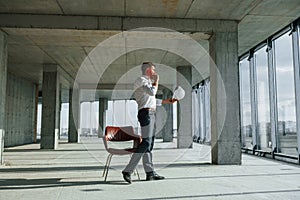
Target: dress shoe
154	177
127	177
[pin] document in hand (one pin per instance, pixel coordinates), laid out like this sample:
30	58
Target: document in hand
178	93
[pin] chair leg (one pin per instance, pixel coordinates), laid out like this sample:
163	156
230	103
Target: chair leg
105	166
110	156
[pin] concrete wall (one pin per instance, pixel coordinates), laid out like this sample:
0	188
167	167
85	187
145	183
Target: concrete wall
19	113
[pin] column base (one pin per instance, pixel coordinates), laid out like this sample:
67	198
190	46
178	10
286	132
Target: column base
225	153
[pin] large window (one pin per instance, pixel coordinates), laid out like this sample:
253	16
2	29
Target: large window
285	95
245	99
263	104
122	113
89	115
268	95
201	112
64	120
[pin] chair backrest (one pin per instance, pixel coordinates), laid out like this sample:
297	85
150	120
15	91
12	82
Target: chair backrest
120	134
114	133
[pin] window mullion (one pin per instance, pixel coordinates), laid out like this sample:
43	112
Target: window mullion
273	97
296	59
253	93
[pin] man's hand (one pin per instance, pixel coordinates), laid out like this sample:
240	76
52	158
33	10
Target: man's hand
155	79
169	101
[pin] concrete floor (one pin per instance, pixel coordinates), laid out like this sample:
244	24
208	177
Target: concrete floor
74	171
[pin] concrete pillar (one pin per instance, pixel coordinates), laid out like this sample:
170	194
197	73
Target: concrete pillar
164	118
59	110
103	105
226	139
36	102
160	118
184	110
74	116
50	107
3	78
167	133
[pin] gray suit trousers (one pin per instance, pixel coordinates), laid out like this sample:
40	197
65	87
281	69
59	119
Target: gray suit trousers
146	118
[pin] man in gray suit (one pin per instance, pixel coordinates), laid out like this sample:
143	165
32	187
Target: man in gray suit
145	90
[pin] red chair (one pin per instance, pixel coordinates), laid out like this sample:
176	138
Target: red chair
119	134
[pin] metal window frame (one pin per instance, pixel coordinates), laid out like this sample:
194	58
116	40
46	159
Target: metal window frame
260	47
241	105
207	110
253	97
200	114
204	112
241	95
273	96
270	41
296	63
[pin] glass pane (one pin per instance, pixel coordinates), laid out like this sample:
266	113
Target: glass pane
207	111
89	114
285	95
85	119
119	109
95	117
196	112
39	121
263	104
64	120
246	129
202	114
131	114
299	35
109	113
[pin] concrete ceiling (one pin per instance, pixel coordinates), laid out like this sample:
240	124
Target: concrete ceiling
29	48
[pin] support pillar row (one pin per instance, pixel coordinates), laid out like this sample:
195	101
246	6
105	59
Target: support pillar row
74	116
3	80
184	110
103	105
50	107
224	91
167	133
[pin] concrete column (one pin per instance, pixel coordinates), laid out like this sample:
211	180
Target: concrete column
184	110
36	102
3	78
59	110
50	107
167	133
160	118
103	105
226	139
74	116
164	118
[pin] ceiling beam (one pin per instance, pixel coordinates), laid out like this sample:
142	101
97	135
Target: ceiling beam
51	21
112	86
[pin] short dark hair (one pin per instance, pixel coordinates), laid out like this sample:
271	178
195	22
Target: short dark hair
146	65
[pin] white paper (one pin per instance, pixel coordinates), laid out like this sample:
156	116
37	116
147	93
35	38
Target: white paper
178	93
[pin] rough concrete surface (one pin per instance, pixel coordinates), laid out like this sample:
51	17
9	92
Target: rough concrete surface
74	171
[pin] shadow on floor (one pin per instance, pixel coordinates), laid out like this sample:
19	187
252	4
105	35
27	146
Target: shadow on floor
20	184
51	169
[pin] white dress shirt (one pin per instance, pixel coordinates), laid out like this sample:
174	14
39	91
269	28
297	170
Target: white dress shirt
144	93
